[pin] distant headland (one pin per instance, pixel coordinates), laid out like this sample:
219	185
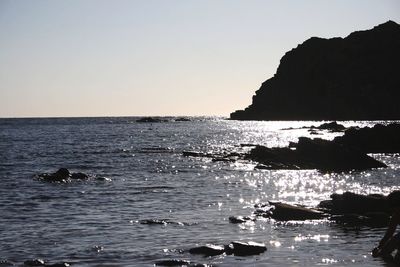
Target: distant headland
352	78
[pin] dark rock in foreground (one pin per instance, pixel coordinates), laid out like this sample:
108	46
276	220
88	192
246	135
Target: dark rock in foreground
378	139
352	203
173	262
35	262
287	212
245	248
236	248
208	250
352	78
355	209
313	154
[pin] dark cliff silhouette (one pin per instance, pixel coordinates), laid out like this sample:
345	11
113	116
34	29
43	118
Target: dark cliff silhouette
352	78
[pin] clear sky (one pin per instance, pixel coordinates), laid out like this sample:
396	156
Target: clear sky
157	57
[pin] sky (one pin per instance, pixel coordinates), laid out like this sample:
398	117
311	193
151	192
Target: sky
80	58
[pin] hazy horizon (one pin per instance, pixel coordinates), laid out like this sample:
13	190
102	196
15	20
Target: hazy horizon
157	58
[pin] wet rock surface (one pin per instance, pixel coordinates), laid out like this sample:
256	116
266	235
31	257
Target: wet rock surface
64	175
377	139
313	154
245	248
287	212
237	248
208	250
163	222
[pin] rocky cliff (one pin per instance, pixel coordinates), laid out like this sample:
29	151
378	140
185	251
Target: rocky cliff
352	78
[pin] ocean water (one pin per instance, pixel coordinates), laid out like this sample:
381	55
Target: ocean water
97	222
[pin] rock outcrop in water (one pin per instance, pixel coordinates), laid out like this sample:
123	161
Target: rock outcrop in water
352	78
64	175
237	248
378	139
313	154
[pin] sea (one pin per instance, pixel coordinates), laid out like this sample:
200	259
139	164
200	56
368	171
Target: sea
138	173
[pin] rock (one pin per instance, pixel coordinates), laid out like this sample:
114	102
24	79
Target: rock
351	203
35	262
313	154
378	219
173	262
195	154
60	175
182	119
245	248
151	120
352	78
6	263
163	222
378	139
59	264
240	219
287	212
63	175
208	250
331	126
354	209
79	176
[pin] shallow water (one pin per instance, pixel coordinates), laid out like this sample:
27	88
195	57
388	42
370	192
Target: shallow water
96	223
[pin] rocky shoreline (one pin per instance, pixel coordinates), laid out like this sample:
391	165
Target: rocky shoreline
343	153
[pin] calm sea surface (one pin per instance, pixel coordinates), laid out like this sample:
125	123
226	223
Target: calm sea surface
96	222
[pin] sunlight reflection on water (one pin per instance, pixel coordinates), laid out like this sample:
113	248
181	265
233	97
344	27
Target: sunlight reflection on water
192	198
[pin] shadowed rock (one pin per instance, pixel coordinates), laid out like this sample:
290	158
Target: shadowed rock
352	78
313	154
373	219
173	262
208	250
35	262
351	203
238	248
6	263
331	126
287	212
240	219
378	139
151	120
64	175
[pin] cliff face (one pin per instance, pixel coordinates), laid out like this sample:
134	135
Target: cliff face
352	78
